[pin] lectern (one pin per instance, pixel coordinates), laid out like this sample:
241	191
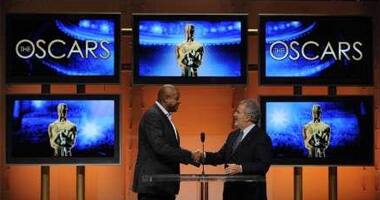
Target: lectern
202	179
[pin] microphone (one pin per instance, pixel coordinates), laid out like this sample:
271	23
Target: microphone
203	138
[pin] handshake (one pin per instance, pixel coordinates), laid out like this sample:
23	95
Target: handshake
197	156
230	169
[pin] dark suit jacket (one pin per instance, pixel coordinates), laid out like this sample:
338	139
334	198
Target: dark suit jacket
254	153
158	153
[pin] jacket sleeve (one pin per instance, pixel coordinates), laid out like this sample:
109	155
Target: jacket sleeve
217	158
263	156
153	130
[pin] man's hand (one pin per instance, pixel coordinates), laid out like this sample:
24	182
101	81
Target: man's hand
233	169
197	156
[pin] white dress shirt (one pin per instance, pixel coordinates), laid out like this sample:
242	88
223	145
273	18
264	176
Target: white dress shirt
246	130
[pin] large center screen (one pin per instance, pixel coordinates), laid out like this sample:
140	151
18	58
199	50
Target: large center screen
189	49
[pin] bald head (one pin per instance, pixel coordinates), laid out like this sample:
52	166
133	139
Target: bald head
165	91
168	97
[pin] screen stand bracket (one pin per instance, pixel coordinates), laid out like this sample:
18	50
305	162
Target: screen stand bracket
333	183
81	88
332	90
297	90
297	183
204	190
45	88
45	182
80	182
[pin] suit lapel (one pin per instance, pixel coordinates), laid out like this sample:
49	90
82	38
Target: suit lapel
168	124
244	142
178	140
231	143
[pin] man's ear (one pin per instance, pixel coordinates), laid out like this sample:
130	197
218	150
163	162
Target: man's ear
248	117
251	118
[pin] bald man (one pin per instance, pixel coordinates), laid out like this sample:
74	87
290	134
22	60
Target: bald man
159	150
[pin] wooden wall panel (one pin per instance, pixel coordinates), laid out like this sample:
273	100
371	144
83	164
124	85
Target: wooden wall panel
64	179
18	179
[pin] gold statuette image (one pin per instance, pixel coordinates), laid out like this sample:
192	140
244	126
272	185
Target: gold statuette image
189	53
316	135
62	133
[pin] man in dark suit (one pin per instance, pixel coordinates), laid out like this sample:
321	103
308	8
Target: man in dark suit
159	151
247	151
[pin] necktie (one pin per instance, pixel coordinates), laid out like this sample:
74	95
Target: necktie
238	140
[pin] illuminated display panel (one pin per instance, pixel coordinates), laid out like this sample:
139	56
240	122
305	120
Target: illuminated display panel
61	129
320	130
189	49
45	48
318	50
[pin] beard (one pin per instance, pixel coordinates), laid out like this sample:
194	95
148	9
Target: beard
173	108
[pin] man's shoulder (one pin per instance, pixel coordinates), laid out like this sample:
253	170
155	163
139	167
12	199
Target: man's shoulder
153	111
233	133
265	138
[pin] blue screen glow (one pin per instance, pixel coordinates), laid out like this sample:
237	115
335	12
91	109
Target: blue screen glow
221	41
94	119
315	49
62	48
348	122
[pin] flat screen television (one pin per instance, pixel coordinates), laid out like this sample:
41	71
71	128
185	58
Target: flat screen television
63	48
190	48
62	129
320	130
315	49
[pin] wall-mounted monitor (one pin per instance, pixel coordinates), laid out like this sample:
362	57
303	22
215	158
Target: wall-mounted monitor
62	129
190	48
62	47
314	49
320	130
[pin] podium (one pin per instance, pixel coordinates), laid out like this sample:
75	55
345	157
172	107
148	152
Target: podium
203	179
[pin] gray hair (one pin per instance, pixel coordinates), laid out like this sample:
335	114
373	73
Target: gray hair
252	109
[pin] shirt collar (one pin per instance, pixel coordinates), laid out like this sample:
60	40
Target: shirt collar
248	128
167	114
